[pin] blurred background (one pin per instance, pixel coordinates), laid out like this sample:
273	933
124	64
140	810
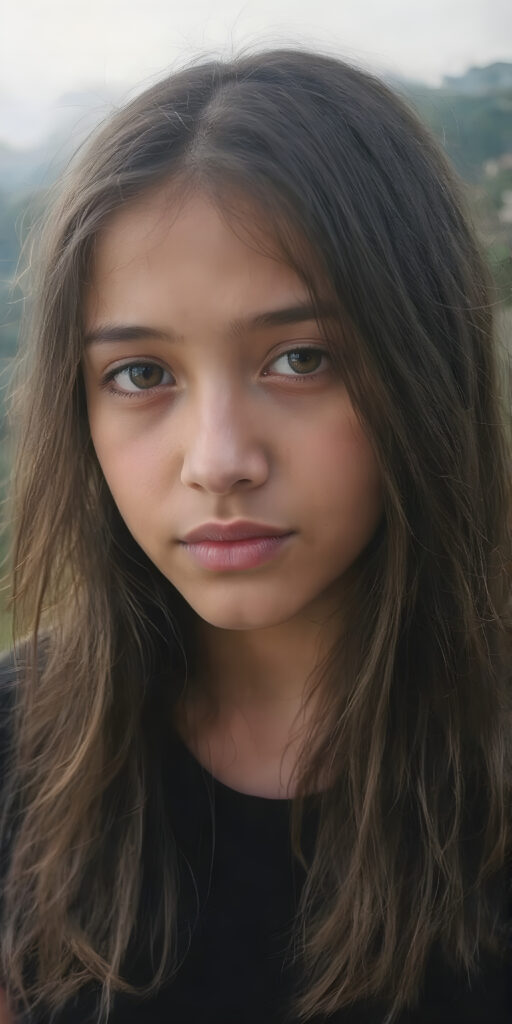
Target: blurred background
64	67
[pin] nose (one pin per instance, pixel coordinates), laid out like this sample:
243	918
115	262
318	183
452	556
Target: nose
224	448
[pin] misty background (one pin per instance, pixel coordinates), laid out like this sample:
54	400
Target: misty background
64	67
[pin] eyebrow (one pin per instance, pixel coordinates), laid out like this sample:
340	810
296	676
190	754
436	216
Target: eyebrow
273	318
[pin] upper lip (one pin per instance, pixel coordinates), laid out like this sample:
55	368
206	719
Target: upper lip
241	529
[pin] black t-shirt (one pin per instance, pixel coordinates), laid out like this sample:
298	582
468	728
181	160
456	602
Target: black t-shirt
238	893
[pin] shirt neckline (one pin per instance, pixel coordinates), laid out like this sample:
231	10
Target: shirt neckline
223	788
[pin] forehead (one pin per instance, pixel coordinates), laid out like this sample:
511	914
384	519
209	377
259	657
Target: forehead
164	239
194	267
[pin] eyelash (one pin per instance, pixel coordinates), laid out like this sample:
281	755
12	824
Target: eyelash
110	377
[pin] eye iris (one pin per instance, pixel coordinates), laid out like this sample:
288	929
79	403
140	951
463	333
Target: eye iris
304	360
145	375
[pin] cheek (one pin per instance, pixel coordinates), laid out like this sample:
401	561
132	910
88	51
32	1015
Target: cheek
133	466
340	465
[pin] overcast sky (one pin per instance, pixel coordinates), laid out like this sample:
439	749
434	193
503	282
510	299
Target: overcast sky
52	47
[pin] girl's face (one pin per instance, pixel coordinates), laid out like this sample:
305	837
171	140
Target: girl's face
211	398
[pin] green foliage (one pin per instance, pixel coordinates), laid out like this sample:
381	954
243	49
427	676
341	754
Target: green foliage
497	185
473	129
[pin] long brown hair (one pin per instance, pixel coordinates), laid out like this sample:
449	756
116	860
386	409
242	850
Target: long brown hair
412	708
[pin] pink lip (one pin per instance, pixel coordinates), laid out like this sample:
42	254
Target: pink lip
241	529
235	555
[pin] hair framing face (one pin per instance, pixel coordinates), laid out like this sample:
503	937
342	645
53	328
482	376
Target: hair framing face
330	156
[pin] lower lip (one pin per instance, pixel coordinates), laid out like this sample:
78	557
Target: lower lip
233	555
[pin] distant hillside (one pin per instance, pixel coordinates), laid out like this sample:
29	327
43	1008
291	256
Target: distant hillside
74	116
23	170
481	81
471	115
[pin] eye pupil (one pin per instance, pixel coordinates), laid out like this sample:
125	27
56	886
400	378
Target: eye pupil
145	375
304	359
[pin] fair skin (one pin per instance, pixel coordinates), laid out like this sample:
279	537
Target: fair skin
231	427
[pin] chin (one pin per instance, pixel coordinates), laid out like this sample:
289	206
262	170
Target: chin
236	621
238	617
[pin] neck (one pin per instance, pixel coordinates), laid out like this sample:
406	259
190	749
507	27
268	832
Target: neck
245	710
263	667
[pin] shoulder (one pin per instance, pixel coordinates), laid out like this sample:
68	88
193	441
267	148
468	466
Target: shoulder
9	675
13	667
13	664
10	668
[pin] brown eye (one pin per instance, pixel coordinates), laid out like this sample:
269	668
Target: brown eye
300	362
145	375
134	378
305	360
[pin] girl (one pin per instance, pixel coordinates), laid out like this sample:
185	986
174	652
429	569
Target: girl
257	750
